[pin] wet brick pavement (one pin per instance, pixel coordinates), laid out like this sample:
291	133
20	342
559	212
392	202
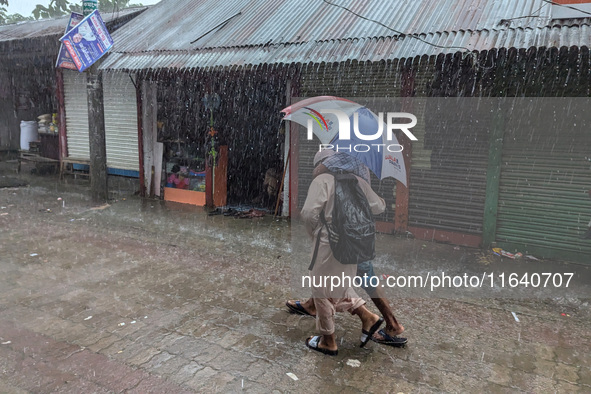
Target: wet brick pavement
203	312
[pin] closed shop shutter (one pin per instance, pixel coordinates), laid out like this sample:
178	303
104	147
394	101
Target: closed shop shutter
121	132
448	171
449	162
121	122
543	202
76	114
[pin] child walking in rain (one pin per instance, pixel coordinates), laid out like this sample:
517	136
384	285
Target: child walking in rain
335	162
324	303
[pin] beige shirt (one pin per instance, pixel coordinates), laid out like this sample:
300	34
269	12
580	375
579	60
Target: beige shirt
321	197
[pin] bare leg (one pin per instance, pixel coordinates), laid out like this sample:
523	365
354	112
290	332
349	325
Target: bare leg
328	342
365	270
368	318
392	326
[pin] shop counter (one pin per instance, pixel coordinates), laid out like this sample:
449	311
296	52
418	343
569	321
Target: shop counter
184	196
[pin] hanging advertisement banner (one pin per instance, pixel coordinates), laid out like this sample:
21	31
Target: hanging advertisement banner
88	41
64	60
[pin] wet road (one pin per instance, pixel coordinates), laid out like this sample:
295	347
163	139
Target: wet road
142	296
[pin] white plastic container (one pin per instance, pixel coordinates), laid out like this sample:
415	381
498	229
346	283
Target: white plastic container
29	132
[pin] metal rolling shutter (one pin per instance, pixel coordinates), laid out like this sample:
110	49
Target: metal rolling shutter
448	171
543	202
121	121
450	195
76	114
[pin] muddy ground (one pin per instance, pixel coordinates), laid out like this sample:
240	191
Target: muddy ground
143	296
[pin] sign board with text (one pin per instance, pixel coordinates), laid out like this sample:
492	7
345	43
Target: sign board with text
64	60
88	6
88	41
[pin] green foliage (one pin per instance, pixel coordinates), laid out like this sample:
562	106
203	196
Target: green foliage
57	8
3	15
65	7
14	18
54	9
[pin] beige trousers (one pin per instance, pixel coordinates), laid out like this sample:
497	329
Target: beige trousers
326	308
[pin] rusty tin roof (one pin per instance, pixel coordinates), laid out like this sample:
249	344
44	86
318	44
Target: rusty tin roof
213	33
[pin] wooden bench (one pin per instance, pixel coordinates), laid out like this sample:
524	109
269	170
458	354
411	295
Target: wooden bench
67	167
39	161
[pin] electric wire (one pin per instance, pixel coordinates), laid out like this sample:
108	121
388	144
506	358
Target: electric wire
468	51
403	35
567	6
503	21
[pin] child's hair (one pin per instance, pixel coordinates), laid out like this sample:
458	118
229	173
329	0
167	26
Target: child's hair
176	168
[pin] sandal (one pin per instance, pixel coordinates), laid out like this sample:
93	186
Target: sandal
313	343
390	340
366	335
298	308
230	212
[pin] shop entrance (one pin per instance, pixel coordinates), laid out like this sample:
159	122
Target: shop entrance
220	131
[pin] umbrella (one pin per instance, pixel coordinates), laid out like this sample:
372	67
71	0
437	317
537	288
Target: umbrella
346	126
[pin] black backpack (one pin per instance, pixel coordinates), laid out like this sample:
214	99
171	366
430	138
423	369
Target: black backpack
352	232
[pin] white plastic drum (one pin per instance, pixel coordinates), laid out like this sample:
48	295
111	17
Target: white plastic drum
29	132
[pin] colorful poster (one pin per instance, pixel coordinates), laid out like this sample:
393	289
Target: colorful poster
88	41
64	59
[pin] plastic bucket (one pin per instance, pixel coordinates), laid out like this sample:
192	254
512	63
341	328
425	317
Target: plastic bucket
29	132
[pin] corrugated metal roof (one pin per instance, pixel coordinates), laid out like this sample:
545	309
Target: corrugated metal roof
192	33
56	26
